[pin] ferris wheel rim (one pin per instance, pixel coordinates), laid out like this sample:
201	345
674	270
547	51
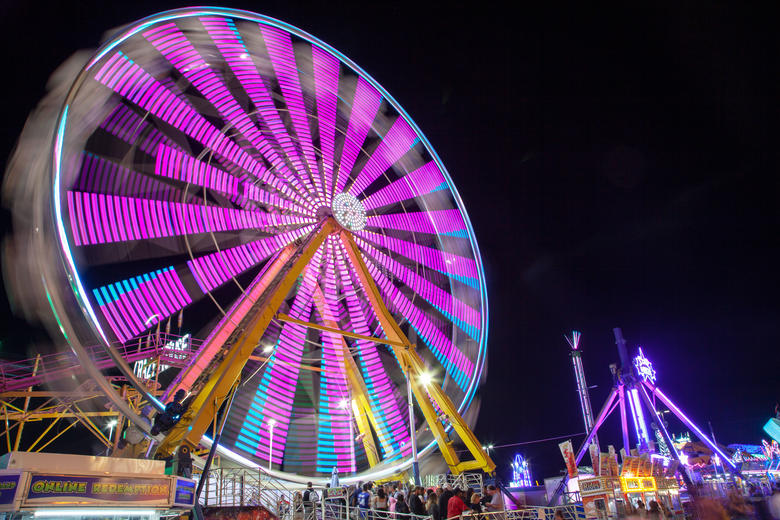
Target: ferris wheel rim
136	27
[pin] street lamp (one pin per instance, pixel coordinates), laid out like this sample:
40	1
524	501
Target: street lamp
111	425
271	424
345	405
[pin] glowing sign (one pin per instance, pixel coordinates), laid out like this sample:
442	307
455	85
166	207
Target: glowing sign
644	368
177	349
521	473
637	484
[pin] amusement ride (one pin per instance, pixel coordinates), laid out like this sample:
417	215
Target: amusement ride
228	174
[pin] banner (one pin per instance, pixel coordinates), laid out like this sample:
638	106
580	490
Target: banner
606	468
614	467
595	459
567	450
44	489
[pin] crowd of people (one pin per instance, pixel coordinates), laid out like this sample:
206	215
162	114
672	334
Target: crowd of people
372	501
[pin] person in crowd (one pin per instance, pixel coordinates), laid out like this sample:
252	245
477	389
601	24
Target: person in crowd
641	510
467	498
559	515
379	504
455	505
364	501
309	498
415	501
401	507
654	511
485	495
432	505
496	503
444	501
392	502
475	503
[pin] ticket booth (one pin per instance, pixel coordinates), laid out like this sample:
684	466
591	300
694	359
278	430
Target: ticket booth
664	490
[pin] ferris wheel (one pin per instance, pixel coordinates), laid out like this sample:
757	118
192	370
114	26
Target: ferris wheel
234	173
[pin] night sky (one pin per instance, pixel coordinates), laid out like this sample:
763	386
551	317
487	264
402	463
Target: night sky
620	168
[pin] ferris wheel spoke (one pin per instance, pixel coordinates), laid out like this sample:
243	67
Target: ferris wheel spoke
174	46
99	218
280	51
326	85
394	434
463	316
452	359
437	222
281	375
399	140
212	270
365	106
231	45
125	124
130	81
133	305
174	164
422	181
100	175
454	266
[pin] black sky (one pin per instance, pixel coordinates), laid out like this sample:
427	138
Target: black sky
620	168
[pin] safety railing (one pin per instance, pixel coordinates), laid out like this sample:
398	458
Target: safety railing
243	487
463	481
569	512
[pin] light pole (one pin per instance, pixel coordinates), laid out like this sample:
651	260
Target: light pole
346	405
271	424
425	379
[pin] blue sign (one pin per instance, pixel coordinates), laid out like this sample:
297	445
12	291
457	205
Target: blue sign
8	485
185	492
44	488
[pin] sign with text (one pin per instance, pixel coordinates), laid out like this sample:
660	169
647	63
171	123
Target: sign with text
88	489
185	492
8	486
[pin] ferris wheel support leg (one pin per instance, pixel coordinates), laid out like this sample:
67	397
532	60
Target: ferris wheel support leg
413	366
204	407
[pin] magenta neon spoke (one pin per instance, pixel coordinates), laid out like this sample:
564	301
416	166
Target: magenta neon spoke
441	261
326	84
275	395
99	175
394	434
465	317
395	144
280	50
178	165
133	305
444	221
126	78
425	179
143	219
214	269
172	44
365	105
230	44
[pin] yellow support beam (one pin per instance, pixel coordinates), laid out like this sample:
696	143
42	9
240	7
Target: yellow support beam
336	330
204	407
414	367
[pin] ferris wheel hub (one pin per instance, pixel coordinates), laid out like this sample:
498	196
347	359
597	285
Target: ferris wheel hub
349	212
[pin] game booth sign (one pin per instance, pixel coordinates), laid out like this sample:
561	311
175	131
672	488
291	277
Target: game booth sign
91	487
609	494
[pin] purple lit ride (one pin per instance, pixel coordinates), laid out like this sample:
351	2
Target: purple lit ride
635	384
198	155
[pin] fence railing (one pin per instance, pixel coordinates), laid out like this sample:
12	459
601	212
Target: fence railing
463	481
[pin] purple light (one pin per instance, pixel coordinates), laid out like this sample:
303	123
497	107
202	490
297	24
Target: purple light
365	105
445	221
644	368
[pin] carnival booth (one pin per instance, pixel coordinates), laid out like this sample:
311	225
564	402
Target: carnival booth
50	485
